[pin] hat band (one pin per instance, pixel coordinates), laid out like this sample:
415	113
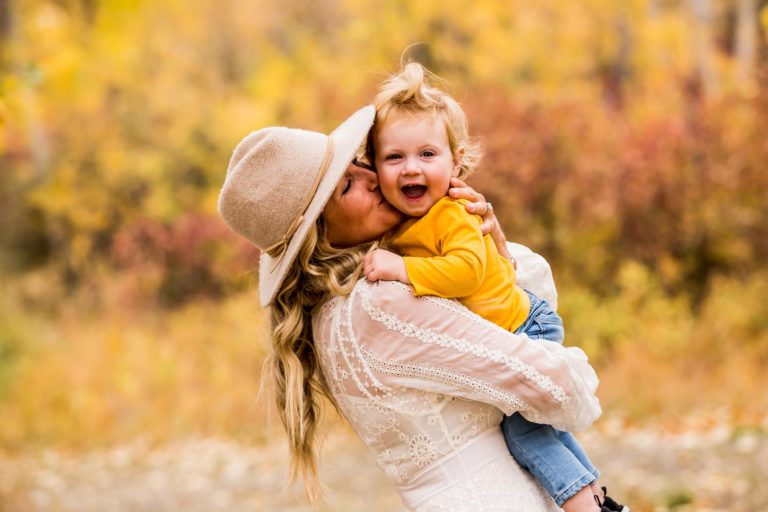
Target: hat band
282	244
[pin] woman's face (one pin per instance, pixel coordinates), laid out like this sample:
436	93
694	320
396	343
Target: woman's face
357	212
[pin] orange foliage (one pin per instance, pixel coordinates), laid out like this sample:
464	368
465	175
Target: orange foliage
591	187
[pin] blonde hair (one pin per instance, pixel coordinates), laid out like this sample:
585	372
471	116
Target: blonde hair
412	92
319	272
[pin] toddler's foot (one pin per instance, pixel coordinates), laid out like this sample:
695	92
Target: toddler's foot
608	504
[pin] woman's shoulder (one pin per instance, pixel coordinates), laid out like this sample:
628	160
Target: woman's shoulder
534	273
380	294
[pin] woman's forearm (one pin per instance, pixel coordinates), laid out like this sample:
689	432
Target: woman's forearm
440	346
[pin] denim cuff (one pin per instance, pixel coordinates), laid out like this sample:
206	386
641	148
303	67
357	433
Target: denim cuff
583	481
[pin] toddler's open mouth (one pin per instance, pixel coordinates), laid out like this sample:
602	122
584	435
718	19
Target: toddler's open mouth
414	191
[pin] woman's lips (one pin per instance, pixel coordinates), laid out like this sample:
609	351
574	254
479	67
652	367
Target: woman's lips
414	191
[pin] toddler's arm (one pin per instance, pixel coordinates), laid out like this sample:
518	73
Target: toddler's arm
382	265
457	264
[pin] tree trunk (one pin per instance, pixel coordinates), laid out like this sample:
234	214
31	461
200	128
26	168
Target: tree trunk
762	39
5	23
746	40
703	18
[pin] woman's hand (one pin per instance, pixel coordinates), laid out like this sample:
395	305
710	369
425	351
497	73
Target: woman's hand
479	206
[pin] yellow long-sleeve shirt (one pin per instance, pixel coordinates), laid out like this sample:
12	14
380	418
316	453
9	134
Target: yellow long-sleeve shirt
446	255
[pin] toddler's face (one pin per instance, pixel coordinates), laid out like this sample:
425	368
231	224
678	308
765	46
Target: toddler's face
414	162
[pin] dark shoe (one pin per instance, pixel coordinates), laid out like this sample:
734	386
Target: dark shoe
610	505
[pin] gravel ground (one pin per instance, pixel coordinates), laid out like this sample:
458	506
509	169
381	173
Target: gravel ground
716	469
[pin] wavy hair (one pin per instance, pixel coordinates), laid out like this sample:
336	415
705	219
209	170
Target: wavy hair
291	368
412	92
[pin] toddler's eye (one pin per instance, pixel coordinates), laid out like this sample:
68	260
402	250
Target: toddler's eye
428	153
393	156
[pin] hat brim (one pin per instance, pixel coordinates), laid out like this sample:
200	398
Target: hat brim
347	139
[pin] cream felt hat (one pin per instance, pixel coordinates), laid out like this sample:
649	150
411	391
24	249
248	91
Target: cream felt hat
277	184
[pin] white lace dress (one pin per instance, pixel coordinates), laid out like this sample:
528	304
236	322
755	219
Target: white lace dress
424	382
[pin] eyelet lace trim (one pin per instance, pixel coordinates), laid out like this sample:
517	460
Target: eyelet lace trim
410	330
432	373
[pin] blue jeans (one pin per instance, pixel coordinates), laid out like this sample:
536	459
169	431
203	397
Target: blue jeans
552	456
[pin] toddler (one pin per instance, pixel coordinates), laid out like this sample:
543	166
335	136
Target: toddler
418	143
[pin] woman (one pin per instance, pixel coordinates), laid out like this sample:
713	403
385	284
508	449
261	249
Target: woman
423	381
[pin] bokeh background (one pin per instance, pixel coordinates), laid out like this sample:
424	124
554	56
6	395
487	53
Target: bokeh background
627	141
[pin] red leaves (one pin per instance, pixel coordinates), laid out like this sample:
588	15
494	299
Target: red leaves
195	255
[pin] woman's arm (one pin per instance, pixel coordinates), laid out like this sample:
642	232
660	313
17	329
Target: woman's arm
439	346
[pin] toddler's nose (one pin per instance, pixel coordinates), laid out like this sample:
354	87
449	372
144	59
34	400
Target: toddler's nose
411	167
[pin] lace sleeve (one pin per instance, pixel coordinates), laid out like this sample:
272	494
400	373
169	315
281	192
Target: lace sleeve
439	346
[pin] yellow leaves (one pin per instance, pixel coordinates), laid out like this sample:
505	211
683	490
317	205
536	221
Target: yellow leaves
639	314
737	311
764	21
103	378
63	196
658	357
635	281
3	120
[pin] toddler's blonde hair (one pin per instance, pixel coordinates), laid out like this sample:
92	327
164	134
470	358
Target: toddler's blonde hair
412	92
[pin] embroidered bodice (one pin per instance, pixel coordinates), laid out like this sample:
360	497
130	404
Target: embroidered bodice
421	379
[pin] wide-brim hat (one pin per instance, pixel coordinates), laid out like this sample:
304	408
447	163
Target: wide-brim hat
277	184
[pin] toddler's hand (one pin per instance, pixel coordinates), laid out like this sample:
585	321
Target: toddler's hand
381	265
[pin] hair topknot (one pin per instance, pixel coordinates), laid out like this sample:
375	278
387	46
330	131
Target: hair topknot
410	90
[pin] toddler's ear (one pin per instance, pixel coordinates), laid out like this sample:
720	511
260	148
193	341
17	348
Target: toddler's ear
457	158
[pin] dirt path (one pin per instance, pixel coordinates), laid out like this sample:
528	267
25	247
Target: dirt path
711	470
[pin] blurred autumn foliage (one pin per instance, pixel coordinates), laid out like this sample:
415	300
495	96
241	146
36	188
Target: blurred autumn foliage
685	196
626	141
